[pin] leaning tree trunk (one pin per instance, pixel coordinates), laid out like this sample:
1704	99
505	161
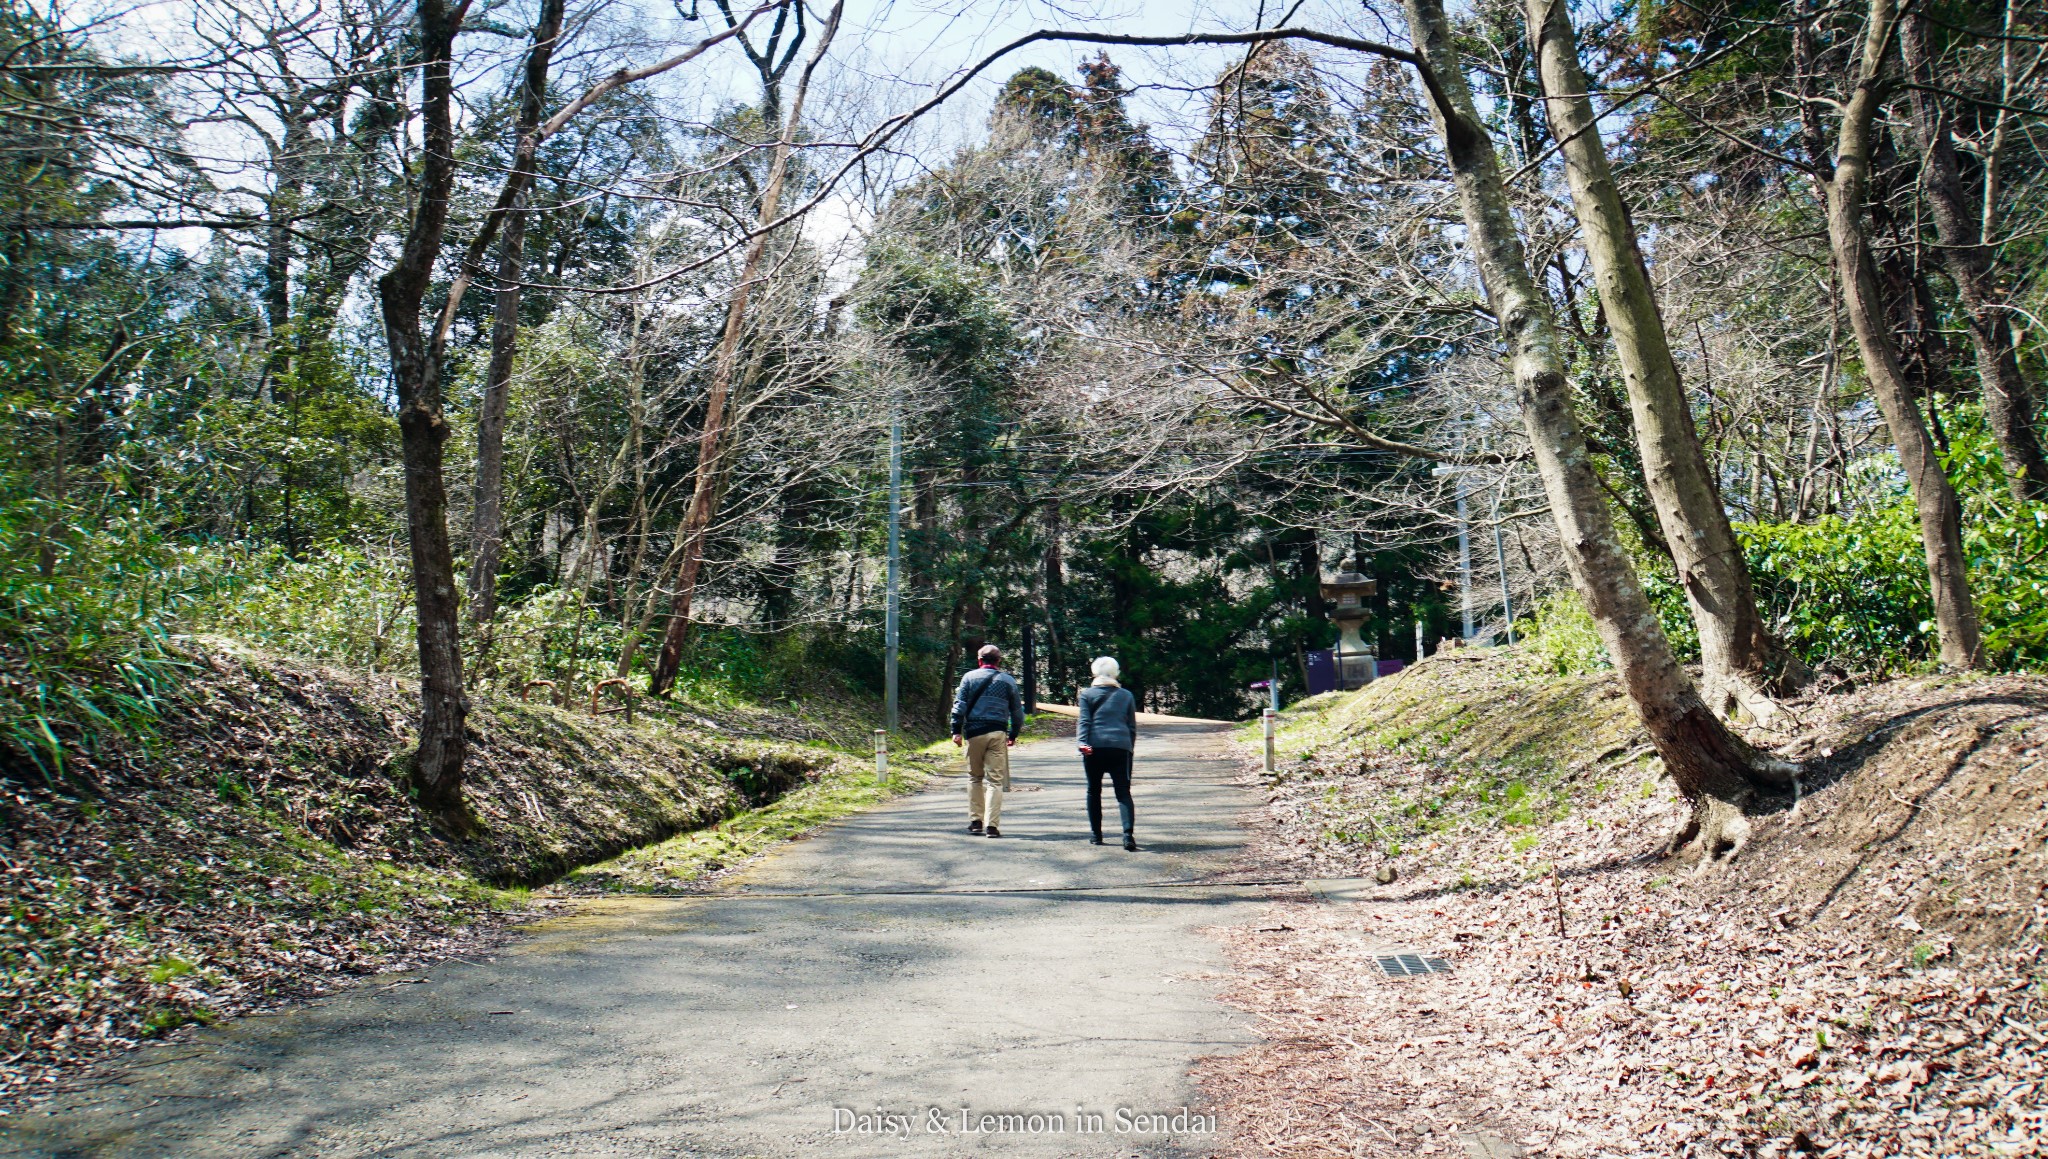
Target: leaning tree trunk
1714	768
1934	497
711	449
2008	404
423	429
487	533
1743	665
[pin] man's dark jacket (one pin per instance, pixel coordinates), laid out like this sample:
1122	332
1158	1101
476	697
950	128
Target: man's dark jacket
980	706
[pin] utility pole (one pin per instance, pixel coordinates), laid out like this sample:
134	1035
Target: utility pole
893	619
1500	558
1465	559
1464	546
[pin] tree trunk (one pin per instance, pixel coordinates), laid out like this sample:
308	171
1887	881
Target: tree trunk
1934	497
953	662
277	257
487	532
1715	769
1027	662
1308	562
711	442
973	622
2008	404
423	429
1743	665
789	544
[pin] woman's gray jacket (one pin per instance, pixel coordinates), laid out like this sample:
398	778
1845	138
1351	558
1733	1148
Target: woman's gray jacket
1109	718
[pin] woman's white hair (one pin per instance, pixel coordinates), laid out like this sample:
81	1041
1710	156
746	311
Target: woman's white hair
1105	666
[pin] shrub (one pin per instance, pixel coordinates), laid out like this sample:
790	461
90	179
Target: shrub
86	591
345	605
1853	591
1562	633
353	606
552	634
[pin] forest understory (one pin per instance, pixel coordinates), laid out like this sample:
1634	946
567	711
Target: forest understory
262	847
1865	978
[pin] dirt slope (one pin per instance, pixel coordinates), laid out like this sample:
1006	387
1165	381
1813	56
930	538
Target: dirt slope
1866	978
264	847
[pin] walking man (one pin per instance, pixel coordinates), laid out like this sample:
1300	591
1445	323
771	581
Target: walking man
988	713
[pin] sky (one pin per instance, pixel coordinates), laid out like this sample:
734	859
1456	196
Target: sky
890	55
912	45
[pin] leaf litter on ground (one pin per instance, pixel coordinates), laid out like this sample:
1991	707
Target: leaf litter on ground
1772	1006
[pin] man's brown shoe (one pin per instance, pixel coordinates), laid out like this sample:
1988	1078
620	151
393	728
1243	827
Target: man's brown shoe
992	831
974	828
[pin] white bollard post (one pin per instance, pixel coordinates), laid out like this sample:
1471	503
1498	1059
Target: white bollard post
1271	718
881	756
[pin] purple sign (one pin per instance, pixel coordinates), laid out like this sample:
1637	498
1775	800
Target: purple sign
1322	670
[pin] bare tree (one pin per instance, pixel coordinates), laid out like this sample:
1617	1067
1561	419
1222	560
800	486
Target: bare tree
487	535
1966	254
711	444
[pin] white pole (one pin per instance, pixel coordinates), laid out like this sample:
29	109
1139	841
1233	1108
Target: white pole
881	756
1270	717
1464	548
1465	558
893	617
1500	557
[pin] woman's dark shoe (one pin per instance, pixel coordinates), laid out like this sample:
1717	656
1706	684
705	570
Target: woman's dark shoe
974	827
1095	840
992	831
1130	843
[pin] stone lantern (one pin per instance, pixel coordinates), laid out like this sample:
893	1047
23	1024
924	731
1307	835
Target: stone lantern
1356	661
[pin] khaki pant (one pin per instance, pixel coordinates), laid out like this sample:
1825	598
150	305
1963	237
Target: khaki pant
988	776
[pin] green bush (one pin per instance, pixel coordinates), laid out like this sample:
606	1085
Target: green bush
556	634
552	634
86	592
1853	591
1561	632
2006	543
1850	592
724	663
354	607
344	605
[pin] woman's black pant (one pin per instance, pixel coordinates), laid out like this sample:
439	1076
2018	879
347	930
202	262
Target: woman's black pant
1117	763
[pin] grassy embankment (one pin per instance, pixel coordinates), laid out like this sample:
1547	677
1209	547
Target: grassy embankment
262	845
1868	976
1498	742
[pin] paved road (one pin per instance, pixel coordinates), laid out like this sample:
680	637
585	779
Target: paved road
761	1023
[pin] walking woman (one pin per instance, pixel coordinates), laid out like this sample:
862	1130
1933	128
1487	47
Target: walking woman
1108	733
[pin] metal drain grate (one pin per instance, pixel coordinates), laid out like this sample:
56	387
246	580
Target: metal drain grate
1410	965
